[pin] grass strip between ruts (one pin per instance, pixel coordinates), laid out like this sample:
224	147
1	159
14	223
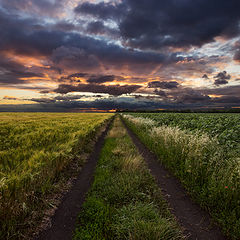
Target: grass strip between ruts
124	201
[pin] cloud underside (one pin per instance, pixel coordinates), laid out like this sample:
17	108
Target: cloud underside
175	98
155	24
123	103
121	48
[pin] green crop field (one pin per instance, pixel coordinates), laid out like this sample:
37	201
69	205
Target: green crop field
203	151
34	149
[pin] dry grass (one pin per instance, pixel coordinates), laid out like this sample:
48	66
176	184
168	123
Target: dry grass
140	121
130	161
117	130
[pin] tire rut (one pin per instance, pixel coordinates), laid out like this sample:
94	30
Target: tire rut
64	219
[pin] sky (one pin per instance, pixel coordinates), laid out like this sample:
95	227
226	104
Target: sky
78	55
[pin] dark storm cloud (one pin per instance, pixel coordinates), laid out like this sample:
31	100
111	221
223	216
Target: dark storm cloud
75	97
24	36
183	95
42	100
165	85
174	96
65	26
60	98
101	10
147	33
154	24
225	96
90	78
71	50
237	55
73	77
77	75
222	78
205	76
133	103
111	103
115	90
68	98
12	72
100	104
190	99
160	93
225	91
101	79
227	99
98	28
87	54
237	51
192	96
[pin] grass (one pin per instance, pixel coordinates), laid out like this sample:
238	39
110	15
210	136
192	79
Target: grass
124	201
35	148
223	126
210	174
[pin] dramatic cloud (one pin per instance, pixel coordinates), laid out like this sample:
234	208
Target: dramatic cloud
70	50
191	96
237	51
12	72
222	78
223	91
237	55
98	28
227	99
101	79
102	10
125	53
165	85
42	100
160	93
96	88
154	24
90	78
74	97
73	77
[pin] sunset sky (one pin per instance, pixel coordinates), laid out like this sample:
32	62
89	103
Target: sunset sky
73	55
